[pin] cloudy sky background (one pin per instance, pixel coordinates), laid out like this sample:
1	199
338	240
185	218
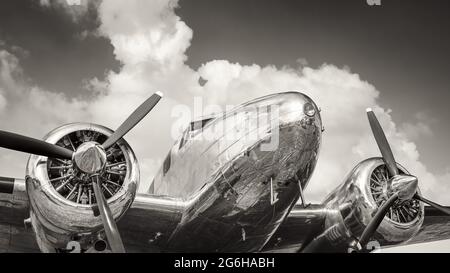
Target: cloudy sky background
98	61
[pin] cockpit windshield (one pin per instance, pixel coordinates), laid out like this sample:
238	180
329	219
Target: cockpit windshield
193	129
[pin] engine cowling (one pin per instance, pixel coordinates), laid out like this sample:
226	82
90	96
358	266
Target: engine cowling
359	197
63	203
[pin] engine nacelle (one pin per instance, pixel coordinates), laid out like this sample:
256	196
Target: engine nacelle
358	199
63	204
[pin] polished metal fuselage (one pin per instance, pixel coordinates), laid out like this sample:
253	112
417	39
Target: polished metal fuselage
233	190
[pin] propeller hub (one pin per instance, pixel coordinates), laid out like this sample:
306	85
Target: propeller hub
405	186
90	157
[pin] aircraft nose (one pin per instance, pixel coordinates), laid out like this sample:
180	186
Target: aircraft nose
300	133
295	106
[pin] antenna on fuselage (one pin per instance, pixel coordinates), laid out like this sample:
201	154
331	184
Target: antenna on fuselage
302	197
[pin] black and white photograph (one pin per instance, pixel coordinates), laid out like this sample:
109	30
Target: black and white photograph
256	127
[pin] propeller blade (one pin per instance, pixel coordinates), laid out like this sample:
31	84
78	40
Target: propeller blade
382	142
133	119
431	203
376	220
34	146
111	230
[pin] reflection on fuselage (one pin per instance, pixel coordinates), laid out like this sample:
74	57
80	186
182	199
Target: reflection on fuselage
237	183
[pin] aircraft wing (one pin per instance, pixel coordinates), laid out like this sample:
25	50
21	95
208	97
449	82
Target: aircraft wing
149	222
151	219
145	227
303	224
299	228
433	236
436	227
14	236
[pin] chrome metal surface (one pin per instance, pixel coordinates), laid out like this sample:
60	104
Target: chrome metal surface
148	224
61	197
227	194
221	196
360	196
14	204
14	208
376	220
405	186
299	228
406	209
224	181
90	157
74	182
309	109
109	223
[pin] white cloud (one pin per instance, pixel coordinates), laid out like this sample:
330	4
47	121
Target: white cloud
343	96
2	101
76	9
29	110
150	41
145	32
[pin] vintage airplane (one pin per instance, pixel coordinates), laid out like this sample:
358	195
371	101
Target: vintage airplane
220	194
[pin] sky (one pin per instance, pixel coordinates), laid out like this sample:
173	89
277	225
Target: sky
97	61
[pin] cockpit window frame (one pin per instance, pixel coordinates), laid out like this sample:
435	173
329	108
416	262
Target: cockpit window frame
192	130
